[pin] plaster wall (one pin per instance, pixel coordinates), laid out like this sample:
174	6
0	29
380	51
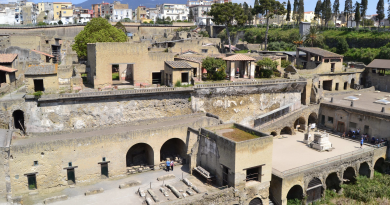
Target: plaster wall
381	82
50	83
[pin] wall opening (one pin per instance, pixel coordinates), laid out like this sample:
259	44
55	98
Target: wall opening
18	116
38	85
173	149
327	85
115	72
156	78
312	118
104	170
296	192
364	170
140	154
333	182
274	134
3	78
353	83
380	165
345	85
300	123
225	176
184	78
349	176
71	176
256	201
314	190
32	181
254	174
286	131
337	86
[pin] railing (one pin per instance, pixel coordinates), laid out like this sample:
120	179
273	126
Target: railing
321	163
249	83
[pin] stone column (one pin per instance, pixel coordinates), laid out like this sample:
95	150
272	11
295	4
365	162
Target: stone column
252	70
232	70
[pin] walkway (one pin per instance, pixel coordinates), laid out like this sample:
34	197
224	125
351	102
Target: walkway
15	95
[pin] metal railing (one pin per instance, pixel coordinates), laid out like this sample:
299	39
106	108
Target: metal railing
267	82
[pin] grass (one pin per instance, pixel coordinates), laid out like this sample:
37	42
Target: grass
238	135
115	76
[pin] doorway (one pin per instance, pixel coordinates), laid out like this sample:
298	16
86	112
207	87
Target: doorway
340	127
18	116
327	85
32	181
104	170
156	78
322	119
366	129
71	176
3	78
225	176
314	190
184	77
337	86
345	85
38	85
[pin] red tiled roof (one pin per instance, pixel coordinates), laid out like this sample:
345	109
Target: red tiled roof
40	52
7	58
239	57
6	69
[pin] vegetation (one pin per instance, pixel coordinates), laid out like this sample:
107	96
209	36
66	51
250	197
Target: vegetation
97	30
60	22
38	94
163	21
285	63
215	68
178	84
281	46
267	67
41	24
241	51
313	38
204	33
115	76
121	27
380	10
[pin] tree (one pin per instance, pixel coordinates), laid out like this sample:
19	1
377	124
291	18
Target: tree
295	10
288	18
107	16
121	27
267	67
317	10
224	14
380	10
191	15
215	68
269	8
250	15
363	11
256	4
348	9
168	19
97	30
327	11
301	10
336	9
342	46
313	37
60	22
357	14
248	12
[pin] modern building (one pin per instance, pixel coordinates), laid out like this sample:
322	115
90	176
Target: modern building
200	14
7	16
121	11
96	10
174	11
199	2
63	11
83	15
141	13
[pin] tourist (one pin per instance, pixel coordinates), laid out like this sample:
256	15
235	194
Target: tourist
358	132
172	165
373	140
361	143
168	165
343	136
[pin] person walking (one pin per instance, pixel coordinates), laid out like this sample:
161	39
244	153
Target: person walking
361	143
168	165
172	164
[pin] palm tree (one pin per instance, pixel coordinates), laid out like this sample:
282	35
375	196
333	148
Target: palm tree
313	37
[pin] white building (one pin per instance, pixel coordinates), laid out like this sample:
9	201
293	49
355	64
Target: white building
174	12
198	2
152	13
7	16
121	11
200	14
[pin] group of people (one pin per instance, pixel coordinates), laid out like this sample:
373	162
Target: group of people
170	165
363	138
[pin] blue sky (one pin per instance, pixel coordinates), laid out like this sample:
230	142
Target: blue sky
309	4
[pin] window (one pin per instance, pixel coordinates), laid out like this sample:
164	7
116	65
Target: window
32	181
330	120
104	170
58	13
254	174
35	163
352	125
70	164
64	12
103	159
57	7
184	77
204	50
47	41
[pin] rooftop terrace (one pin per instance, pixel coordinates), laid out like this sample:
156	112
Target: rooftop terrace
235	132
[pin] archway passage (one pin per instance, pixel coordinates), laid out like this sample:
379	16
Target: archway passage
256	201
314	190
295	193
312	118
18	116
380	165
140	154
333	182
173	149
353	83
301	122
364	170
349	176
274	134
286	131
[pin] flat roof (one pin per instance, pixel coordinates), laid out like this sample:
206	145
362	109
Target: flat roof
379	63
365	102
291	152
235	134
320	52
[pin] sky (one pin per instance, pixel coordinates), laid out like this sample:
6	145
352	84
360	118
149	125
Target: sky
309	4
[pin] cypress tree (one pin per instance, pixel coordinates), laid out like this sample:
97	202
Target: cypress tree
380	10
288	18
295	10
301	10
348	8
363	11
357	14
336	10
327	11
317	10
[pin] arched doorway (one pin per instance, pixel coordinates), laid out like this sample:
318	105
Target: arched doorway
256	201
18	116
333	182
173	148
349	176
379	165
314	190
364	170
301	122
353	83
140	154
274	134
295	193
312	118
286	131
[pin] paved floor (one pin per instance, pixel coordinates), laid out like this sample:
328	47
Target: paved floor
291	152
14	95
112	195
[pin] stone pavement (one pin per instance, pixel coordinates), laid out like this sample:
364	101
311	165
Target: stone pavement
113	195
17	94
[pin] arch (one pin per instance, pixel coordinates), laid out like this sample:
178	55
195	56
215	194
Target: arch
349	176
333	182
379	165
140	154
314	190
18	116
256	201
273	133
353	83
300	121
312	118
296	192
364	170
286	131
172	148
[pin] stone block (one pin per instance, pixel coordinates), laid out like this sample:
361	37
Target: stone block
149	201
141	192
190	192
154	196
165	177
196	189
94	191
164	191
187	182
55	199
129	184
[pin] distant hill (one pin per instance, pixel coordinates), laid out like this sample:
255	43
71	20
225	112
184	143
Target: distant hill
133	4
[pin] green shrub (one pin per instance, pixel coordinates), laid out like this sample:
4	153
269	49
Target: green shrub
215	68
294	202
178	83
285	63
38	94
241	51
265	73
342	46
204	33
41	24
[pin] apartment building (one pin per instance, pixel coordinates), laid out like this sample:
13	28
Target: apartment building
63	11
121	11
174	11
141	13
200	14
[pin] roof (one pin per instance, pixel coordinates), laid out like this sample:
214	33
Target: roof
239	57
261	57
379	63
6	69
7	58
178	64
40	52
320	52
41	70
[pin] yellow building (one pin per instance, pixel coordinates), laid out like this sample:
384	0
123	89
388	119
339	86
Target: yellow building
62	10
141	12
